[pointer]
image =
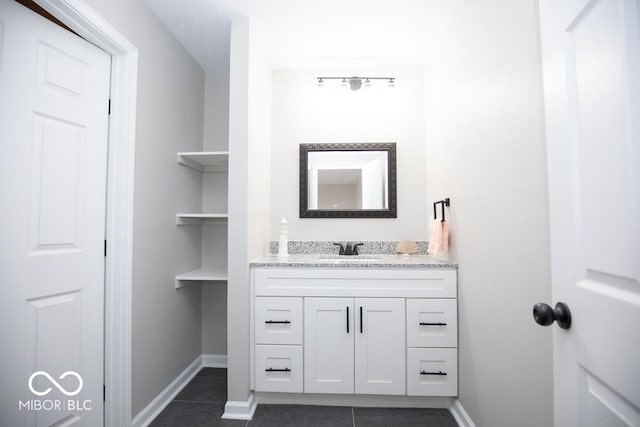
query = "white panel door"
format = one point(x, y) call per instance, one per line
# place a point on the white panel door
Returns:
point(380, 346)
point(591, 65)
point(328, 345)
point(54, 90)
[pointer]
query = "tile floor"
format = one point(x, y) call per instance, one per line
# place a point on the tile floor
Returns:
point(201, 403)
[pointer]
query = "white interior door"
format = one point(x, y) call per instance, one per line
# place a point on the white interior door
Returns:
point(591, 64)
point(54, 91)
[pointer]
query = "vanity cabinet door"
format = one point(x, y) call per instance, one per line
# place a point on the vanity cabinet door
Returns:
point(328, 345)
point(380, 346)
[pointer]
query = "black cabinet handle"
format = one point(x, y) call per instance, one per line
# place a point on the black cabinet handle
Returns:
point(432, 324)
point(360, 319)
point(432, 373)
point(347, 319)
point(277, 370)
point(277, 321)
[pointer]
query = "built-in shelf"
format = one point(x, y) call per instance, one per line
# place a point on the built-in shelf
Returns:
point(218, 274)
point(201, 218)
point(205, 161)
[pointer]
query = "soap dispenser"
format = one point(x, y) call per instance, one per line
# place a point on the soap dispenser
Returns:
point(283, 241)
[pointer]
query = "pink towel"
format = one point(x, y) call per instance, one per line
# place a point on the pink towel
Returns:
point(445, 237)
point(439, 237)
point(435, 238)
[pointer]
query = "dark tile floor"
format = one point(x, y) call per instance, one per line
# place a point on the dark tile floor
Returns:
point(201, 403)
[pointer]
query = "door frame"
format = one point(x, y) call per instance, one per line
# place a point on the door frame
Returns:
point(78, 16)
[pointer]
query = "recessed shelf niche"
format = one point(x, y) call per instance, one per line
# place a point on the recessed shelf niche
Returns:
point(213, 165)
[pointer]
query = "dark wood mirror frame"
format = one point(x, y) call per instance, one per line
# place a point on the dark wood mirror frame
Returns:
point(391, 212)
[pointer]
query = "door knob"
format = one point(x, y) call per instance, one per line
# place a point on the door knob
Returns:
point(545, 315)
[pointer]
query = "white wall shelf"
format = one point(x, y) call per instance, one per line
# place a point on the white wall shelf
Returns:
point(201, 218)
point(205, 161)
point(218, 274)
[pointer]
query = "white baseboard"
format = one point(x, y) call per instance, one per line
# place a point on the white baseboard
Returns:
point(462, 418)
point(238, 410)
point(214, 360)
point(153, 409)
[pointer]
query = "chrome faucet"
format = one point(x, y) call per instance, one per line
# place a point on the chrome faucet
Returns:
point(349, 249)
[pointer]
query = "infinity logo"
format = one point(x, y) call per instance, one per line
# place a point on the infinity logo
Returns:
point(55, 383)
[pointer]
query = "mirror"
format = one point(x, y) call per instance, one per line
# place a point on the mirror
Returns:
point(348, 180)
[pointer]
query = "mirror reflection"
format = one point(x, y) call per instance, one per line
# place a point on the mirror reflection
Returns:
point(347, 180)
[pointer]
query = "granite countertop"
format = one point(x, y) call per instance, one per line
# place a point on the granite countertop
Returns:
point(361, 261)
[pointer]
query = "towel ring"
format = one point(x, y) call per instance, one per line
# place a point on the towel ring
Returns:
point(445, 202)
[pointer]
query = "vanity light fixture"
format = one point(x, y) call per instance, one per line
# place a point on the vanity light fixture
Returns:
point(355, 82)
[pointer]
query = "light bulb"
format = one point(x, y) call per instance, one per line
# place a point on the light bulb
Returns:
point(392, 83)
point(355, 83)
point(367, 83)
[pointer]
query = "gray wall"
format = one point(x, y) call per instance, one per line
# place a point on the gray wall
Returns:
point(303, 112)
point(215, 199)
point(486, 151)
point(216, 112)
point(166, 321)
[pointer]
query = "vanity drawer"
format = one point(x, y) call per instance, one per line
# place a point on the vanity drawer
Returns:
point(356, 282)
point(432, 323)
point(279, 368)
point(432, 372)
point(278, 320)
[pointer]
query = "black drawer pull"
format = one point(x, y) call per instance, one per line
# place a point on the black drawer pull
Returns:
point(360, 319)
point(277, 321)
point(347, 319)
point(432, 324)
point(277, 370)
point(432, 373)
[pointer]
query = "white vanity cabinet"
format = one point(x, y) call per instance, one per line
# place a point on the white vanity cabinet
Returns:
point(380, 331)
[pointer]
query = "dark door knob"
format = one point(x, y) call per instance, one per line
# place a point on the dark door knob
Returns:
point(545, 315)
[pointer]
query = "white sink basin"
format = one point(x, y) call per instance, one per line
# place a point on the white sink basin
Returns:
point(348, 259)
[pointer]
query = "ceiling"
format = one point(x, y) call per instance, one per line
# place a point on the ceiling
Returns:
point(304, 33)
